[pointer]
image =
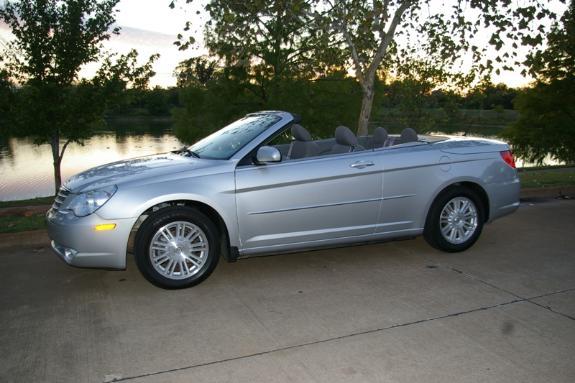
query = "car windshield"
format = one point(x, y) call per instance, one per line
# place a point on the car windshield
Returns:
point(226, 142)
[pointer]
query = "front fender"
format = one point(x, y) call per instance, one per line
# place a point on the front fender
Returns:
point(216, 191)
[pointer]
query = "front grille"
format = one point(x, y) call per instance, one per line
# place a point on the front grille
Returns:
point(60, 198)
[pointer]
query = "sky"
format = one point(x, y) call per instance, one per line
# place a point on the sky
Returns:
point(150, 26)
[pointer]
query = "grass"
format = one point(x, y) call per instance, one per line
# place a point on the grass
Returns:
point(15, 224)
point(18, 223)
point(28, 202)
point(542, 178)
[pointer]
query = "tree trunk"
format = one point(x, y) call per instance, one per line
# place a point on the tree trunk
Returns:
point(55, 143)
point(366, 105)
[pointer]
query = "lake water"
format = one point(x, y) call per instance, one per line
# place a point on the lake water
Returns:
point(26, 169)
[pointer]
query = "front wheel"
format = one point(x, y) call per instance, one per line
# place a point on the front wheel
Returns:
point(176, 247)
point(455, 220)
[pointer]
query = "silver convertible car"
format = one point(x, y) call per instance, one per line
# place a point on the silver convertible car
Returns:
point(264, 185)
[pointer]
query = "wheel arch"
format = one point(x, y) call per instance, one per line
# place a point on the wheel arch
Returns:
point(228, 252)
point(472, 184)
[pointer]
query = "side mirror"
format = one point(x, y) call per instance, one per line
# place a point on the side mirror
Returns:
point(267, 154)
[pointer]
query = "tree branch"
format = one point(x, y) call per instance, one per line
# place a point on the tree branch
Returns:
point(354, 55)
point(380, 18)
point(300, 52)
point(388, 37)
point(63, 150)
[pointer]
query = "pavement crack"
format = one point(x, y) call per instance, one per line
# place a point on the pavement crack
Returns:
point(531, 300)
point(523, 299)
point(517, 299)
point(476, 278)
point(321, 341)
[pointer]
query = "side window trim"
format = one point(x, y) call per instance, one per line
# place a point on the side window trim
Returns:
point(322, 157)
point(247, 160)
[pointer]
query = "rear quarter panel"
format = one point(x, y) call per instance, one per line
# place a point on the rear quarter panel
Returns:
point(414, 176)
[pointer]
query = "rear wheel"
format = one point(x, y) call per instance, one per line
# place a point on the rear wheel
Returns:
point(455, 220)
point(176, 247)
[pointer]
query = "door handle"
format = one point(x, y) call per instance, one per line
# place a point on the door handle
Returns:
point(361, 164)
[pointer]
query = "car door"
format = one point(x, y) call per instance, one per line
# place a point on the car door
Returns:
point(301, 203)
point(410, 176)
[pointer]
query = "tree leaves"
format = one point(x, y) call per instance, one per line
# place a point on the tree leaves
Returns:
point(268, 40)
point(547, 119)
point(53, 41)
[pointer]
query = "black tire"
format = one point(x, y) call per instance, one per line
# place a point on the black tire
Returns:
point(432, 231)
point(164, 217)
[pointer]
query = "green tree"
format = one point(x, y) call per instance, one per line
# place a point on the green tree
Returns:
point(323, 103)
point(195, 71)
point(274, 39)
point(6, 101)
point(406, 98)
point(383, 33)
point(263, 55)
point(54, 39)
point(546, 124)
point(487, 95)
point(271, 37)
point(263, 42)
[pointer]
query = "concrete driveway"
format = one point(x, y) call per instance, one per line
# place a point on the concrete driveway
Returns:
point(504, 311)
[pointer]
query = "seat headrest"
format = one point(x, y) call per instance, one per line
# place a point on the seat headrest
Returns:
point(344, 136)
point(300, 133)
point(379, 136)
point(408, 135)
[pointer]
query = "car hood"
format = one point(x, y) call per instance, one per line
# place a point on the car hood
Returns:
point(132, 170)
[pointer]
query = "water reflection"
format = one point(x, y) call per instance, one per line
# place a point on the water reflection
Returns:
point(26, 169)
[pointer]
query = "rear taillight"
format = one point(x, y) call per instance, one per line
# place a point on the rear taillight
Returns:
point(508, 158)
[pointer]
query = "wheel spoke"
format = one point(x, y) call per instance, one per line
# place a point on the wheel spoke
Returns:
point(166, 233)
point(196, 261)
point(188, 264)
point(198, 247)
point(159, 246)
point(169, 267)
point(179, 250)
point(183, 267)
point(464, 207)
point(193, 236)
point(468, 225)
point(458, 220)
point(161, 259)
point(460, 233)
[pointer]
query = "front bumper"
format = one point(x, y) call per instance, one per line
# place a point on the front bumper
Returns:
point(77, 243)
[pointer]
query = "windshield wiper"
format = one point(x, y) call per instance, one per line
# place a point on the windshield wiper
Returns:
point(192, 153)
point(188, 152)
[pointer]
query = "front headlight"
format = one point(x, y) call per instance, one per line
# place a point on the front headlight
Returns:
point(88, 202)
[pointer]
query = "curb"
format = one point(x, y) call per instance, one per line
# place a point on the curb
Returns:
point(33, 238)
point(566, 192)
